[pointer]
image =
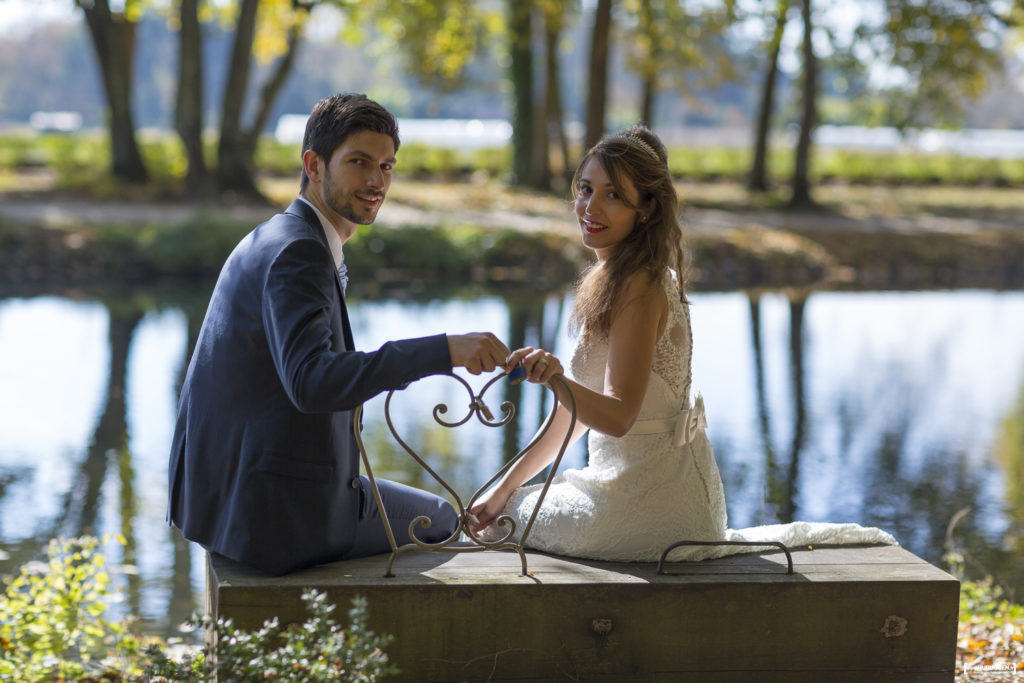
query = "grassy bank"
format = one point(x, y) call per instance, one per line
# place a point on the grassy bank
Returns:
point(881, 222)
point(380, 257)
point(80, 162)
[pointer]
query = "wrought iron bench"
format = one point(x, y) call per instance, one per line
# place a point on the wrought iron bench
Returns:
point(464, 539)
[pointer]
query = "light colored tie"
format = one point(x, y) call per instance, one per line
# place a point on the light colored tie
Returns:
point(343, 276)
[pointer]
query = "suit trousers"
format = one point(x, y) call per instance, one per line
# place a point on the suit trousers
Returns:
point(403, 504)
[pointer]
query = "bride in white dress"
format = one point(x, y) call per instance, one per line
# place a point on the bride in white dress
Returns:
point(651, 479)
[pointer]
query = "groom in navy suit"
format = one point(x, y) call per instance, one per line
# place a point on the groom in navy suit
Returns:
point(264, 464)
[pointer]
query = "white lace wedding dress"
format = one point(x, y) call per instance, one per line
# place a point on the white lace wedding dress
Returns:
point(659, 483)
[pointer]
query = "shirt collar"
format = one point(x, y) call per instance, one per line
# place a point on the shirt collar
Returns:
point(333, 239)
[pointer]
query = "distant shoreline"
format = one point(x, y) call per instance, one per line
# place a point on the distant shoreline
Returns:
point(53, 241)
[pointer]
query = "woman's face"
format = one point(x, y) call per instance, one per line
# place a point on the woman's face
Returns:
point(604, 216)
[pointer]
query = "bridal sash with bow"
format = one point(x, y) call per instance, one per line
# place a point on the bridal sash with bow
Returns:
point(683, 427)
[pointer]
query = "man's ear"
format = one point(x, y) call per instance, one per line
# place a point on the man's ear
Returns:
point(312, 164)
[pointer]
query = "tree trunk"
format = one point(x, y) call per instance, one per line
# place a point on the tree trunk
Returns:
point(112, 38)
point(801, 171)
point(598, 75)
point(649, 68)
point(551, 122)
point(235, 171)
point(188, 114)
point(647, 99)
point(758, 179)
point(520, 33)
point(272, 88)
point(555, 117)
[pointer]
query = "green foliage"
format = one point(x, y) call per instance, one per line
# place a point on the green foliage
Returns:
point(709, 163)
point(946, 52)
point(53, 628)
point(278, 158)
point(196, 246)
point(435, 250)
point(200, 245)
point(319, 649)
point(851, 166)
point(414, 159)
point(437, 39)
point(52, 623)
point(418, 159)
point(986, 600)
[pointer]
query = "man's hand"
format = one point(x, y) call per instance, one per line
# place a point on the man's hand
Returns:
point(477, 352)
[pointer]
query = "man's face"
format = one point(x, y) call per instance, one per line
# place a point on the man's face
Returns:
point(358, 175)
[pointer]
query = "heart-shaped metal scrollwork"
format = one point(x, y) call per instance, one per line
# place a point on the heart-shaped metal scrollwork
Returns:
point(464, 539)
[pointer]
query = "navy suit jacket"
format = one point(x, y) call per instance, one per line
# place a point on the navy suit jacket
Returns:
point(264, 464)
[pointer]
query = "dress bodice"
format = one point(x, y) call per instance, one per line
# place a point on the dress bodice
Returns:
point(668, 390)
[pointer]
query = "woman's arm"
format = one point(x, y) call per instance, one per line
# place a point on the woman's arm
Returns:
point(636, 324)
point(539, 456)
point(635, 328)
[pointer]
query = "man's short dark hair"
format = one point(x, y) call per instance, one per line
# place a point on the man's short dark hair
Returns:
point(335, 118)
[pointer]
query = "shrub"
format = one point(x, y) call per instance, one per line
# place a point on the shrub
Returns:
point(53, 628)
point(317, 650)
point(52, 623)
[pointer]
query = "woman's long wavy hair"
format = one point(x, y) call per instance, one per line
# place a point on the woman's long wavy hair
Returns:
point(652, 245)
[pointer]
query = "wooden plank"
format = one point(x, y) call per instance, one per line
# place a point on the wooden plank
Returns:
point(842, 564)
point(850, 613)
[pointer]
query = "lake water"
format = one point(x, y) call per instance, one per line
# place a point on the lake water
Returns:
point(896, 409)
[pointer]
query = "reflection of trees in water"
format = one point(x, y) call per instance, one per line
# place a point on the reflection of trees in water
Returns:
point(911, 489)
point(875, 415)
point(108, 452)
point(110, 436)
point(781, 485)
point(763, 419)
point(80, 506)
point(528, 326)
point(28, 549)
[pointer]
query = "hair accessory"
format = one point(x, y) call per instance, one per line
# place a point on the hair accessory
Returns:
point(639, 142)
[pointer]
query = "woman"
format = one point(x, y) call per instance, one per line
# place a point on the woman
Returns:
point(652, 478)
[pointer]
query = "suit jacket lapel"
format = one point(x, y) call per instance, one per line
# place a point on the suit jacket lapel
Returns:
point(306, 212)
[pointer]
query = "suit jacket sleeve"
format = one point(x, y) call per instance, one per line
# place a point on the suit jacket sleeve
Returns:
point(319, 375)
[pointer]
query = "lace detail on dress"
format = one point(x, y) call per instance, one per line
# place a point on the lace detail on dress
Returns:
point(672, 352)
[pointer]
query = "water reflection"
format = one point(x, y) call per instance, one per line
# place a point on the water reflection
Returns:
point(780, 483)
point(895, 409)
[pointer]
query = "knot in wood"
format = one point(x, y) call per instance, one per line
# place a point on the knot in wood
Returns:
point(894, 626)
point(602, 626)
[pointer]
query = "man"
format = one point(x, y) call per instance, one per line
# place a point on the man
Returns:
point(264, 463)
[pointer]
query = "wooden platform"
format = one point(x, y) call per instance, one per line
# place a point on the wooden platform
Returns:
point(846, 614)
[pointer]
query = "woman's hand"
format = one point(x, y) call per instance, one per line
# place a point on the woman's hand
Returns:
point(487, 508)
point(540, 365)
